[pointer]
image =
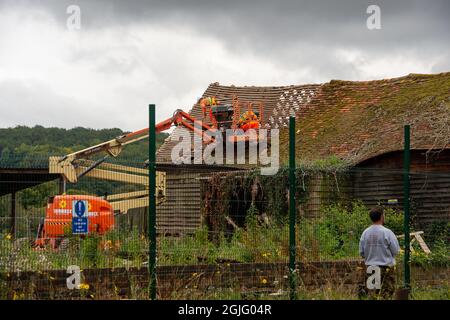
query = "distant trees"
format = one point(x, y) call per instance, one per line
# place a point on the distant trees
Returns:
point(30, 147)
point(37, 196)
point(25, 146)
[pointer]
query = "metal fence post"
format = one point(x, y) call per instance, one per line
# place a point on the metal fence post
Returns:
point(152, 202)
point(406, 197)
point(13, 214)
point(292, 207)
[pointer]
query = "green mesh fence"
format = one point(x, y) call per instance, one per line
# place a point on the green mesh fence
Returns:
point(221, 234)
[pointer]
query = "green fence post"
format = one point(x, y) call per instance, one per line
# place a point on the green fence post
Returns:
point(406, 220)
point(292, 207)
point(152, 203)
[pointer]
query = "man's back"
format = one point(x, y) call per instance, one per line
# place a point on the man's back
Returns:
point(378, 246)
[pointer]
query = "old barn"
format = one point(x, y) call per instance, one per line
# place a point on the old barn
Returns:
point(358, 123)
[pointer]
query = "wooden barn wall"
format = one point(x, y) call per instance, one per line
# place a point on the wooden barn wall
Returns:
point(323, 189)
point(381, 179)
point(374, 181)
point(179, 214)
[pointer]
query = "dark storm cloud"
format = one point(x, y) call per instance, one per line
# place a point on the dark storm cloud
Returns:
point(287, 32)
point(276, 21)
point(140, 51)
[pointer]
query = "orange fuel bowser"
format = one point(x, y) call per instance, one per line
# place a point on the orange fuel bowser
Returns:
point(59, 218)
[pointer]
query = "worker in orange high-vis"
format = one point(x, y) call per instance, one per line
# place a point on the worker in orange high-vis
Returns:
point(249, 120)
point(207, 102)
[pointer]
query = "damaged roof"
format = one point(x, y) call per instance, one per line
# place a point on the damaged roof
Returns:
point(358, 120)
point(277, 101)
point(353, 120)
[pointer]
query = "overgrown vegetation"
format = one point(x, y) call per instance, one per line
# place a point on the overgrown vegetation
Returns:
point(334, 235)
point(114, 249)
point(233, 194)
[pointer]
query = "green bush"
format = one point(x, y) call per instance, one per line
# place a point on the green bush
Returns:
point(336, 233)
point(186, 250)
point(89, 250)
point(438, 231)
point(254, 243)
point(439, 256)
point(439, 293)
point(333, 235)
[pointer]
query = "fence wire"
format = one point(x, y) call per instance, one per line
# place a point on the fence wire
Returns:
point(220, 234)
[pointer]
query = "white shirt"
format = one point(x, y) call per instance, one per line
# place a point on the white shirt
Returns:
point(378, 246)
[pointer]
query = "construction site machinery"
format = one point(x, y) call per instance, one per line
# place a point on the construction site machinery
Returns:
point(222, 117)
point(78, 164)
point(73, 166)
point(58, 219)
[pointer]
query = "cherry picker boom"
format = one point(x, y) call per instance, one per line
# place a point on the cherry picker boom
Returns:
point(101, 211)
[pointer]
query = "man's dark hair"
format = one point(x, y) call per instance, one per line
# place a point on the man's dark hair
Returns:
point(376, 213)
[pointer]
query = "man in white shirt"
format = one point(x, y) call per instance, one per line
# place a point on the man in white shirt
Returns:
point(379, 246)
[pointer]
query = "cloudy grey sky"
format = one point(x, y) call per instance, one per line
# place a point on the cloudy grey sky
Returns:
point(128, 54)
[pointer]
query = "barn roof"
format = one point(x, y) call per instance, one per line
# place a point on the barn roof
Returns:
point(356, 121)
point(353, 120)
point(277, 102)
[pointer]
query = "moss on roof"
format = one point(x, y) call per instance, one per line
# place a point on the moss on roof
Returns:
point(359, 120)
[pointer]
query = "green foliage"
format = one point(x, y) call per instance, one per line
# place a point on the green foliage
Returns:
point(428, 293)
point(134, 246)
point(336, 233)
point(235, 193)
point(37, 196)
point(327, 164)
point(394, 221)
point(186, 250)
point(256, 243)
point(251, 220)
point(439, 256)
point(30, 147)
point(89, 250)
point(438, 231)
point(5, 207)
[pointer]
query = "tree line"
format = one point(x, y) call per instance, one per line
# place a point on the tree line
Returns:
point(30, 147)
point(25, 146)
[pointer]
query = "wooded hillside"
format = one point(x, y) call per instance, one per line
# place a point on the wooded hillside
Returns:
point(22, 144)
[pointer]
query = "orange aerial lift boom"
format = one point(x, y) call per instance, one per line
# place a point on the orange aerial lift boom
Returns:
point(221, 116)
point(66, 165)
point(101, 211)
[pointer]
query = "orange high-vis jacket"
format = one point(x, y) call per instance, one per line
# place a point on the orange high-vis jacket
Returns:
point(206, 102)
point(249, 120)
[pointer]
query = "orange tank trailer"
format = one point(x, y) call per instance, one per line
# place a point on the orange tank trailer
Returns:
point(58, 217)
